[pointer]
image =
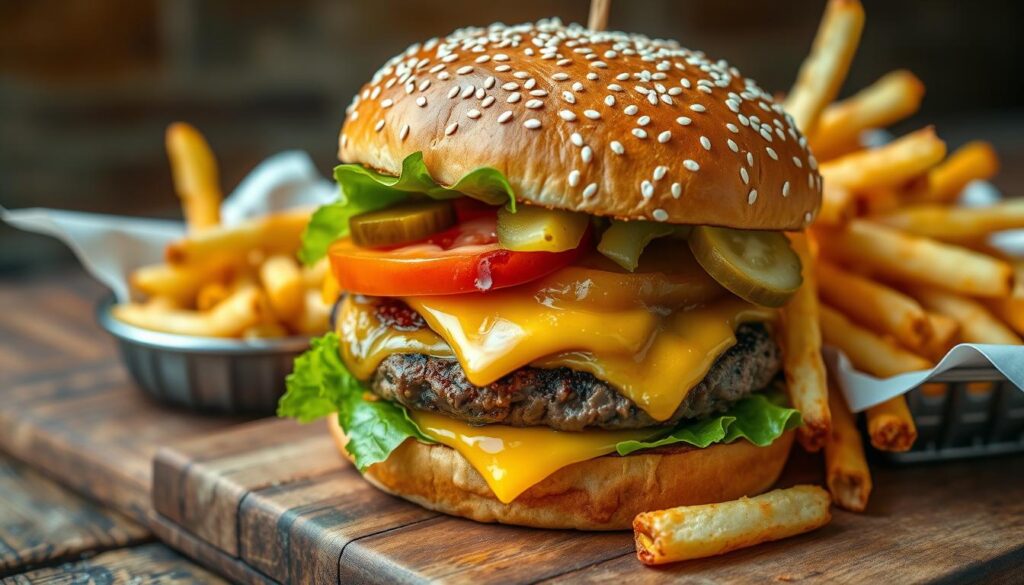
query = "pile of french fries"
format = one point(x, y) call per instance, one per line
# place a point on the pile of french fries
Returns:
point(242, 281)
point(896, 273)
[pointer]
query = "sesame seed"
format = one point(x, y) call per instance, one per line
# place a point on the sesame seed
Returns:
point(808, 217)
point(813, 162)
point(685, 83)
point(566, 115)
point(647, 189)
point(771, 152)
point(468, 91)
point(732, 128)
point(520, 75)
point(665, 136)
point(451, 129)
point(599, 65)
point(592, 114)
point(750, 158)
point(614, 87)
point(510, 86)
point(387, 103)
point(449, 58)
point(744, 175)
point(513, 97)
point(766, 134)
point(563, 62)
point(752, 197)
point(732, 145)
point(576, 139)
point(675, 91)
point(530, 83)
point(505, 117)
point(501, 57)
point(454, 91)
point(666, 99)
point(659, 172)
point(532, 123)
point(622, 76)
point(574, 178)
point(436, 68)
point(473, 114)
point(534, 104)
point(643, 120)
point(489, 82)
point(375, 93)
point(487, 101)
point(464, 70)
point(577, 86)
point(733, 105)
point(590, 191)
point(810, 180)
point(569, 97)
point(617, 147)
point(421, 101)
point(631, 110)
point(660, 214)
point(404, 132)
point(483, 59)
point(652, 98)
point(698, 108)
point(798, 163)
point(560, 76)
point(378, 126)
point(785, 189)
point(744, 120)
point(641, 89)
point(424, 85)
point(444, 76)
point(587, 154)
point(479, 94)
point(705, 142)
point(639, 133)
point(609, 100)
point(677, 190)
point(691, 165)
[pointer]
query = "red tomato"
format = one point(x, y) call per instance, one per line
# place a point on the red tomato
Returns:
point(463, 259)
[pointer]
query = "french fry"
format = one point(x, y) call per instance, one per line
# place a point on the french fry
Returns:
point(977, 324)
point(890, 165)
point(1010, 310)
point(824, 70)
point(211, 294)
point(945, 334)
point(179, 283)
point(315, 316)
point(973, 161)
point(905, 257)
point(194, 170)
point(277, 233)
point(956, 224)
point(846, 470)
point(890, 99)
point(228, 319)
point(313, 276)
point(881, 308)
point(282, 279)
point(890, 425)
point(693, 532)
point(801, 351)
point(837, 205)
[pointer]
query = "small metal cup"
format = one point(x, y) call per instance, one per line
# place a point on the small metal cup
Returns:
point(216, 375)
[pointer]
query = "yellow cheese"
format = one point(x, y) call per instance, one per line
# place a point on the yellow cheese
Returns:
point(513, 459)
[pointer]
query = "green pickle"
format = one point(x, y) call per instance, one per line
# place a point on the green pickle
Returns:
point(536, 229)
point(757, 266)
point(401, 224)
point(624, 241)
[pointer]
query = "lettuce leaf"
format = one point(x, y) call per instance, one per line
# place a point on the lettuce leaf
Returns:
point(362, 189)
point(320, 385)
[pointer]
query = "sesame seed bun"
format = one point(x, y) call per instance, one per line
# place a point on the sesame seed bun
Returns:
point(605, 493)
point(607, 123)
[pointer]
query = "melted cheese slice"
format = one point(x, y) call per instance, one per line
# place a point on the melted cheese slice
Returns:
point(513, 459)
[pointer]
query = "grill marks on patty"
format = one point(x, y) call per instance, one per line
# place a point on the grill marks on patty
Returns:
point(566, 399)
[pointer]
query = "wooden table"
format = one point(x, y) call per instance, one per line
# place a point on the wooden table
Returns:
point(269, 500)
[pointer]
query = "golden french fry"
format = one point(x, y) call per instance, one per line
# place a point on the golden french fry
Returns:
point(1010, 310)
point(889, 165)
point(162, 303)
point(315, 316)
point(211, 295)
point(905, 257)
point(883, 309)
point(824, 70)
point(868, 351)
point(846, 470)
point(973, 161)
point(801, 352)
point(945, 335)
point(870, 202)
point(890, 99)
point(331, 290)
point(313, 276)
point(977, 324)
point(693, 532)
point(277, 233)
point(891, 426)
point(837, 205)
point(194, 170)
point(282, 279)
point(956, 224)
point(179, 283)
point(228, 319)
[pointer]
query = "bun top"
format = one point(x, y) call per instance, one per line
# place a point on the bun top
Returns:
point(607, 123)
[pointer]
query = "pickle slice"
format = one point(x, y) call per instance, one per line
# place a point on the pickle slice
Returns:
point(537, 229)
point(756, 266)
point(624, 241)
point(400, 224)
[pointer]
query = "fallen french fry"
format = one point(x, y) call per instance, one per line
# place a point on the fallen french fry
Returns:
point(837, 205)
point(881, 308)
point(971, 162)
point(228, 319)
point(846, 469)
point(905, 257)
point(194, 170)
point(889, 165)
point(956, 224)
point(801, 354)
point(277, 233)
point(824, 70)
point(890, 99)
point(891, 426)
point(693, 532)
point(977, 324)
point(282, 279)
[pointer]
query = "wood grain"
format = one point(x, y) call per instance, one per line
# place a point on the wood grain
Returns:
point(43, 523)
point(152, 563)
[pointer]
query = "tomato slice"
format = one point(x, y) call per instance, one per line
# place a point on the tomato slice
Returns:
point(466, 258)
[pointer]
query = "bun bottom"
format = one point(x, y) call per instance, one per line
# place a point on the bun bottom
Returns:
point(605, 493)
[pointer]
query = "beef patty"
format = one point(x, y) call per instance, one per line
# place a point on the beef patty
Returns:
point(566, 399)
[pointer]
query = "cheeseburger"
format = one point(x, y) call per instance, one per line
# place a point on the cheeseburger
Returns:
point(557, 259)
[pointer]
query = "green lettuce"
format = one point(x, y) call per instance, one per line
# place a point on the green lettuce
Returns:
point(362, 189)
point(320, 385)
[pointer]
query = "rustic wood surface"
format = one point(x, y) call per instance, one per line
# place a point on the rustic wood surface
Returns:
point(151, 563)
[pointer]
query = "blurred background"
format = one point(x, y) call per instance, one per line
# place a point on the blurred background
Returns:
point(87, 87)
